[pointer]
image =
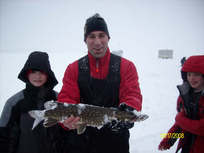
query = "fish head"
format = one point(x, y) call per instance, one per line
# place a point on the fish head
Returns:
point(130, 116)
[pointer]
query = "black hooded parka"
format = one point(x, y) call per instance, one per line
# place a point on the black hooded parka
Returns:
point(16, 134)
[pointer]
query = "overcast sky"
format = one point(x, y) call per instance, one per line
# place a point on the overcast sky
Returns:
point(135, 26)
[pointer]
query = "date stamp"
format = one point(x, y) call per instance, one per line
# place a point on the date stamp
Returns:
point(172, 135)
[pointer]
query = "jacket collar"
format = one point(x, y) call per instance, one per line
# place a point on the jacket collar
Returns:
point(101, 61)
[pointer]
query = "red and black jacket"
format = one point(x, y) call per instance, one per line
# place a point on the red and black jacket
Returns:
point(129, 91)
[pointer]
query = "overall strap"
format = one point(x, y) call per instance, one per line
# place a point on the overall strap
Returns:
point(114, 68)
point(84, 79)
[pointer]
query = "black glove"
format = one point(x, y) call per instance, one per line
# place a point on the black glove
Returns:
point(124, 107)
point(117, 126)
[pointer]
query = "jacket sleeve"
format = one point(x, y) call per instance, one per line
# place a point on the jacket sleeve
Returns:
point(168, 141)
point(4, 139)
point(9, 132)
point(70, 91)
point(4, 129)
point(192, 126)
point(129, 86)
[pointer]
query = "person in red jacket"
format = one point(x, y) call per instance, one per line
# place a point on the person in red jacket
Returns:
point(103, 79)
point(189, 121)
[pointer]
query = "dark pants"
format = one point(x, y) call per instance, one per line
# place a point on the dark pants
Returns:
point(97, 141)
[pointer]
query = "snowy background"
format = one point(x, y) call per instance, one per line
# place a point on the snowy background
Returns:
point(138, 27)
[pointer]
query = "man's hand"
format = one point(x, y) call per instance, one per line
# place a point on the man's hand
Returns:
point(117, 126)
point(71, 122)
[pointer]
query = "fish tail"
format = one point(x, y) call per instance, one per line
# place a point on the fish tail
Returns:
point(38, 116)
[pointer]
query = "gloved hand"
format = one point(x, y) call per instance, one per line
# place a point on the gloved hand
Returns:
point(116, 126)
point(166, 143)
point(124, 107)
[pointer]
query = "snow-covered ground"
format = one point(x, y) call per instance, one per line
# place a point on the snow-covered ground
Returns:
point(158, 79)
point(138, 27)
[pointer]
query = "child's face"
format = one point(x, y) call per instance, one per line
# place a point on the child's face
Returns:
point(37, 78)
point(196, 80)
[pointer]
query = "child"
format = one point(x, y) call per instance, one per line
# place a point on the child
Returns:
point(16, 134)
point(189, 121)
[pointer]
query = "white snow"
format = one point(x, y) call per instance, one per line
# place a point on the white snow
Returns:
point(66, 104)
point(50, 105)
point(106, 119)
point(139, 28)
point(80, 107)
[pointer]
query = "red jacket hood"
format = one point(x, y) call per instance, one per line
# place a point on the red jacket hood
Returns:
point(194, 64)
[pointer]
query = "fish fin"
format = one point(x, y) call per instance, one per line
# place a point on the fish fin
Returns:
point(38, 116)
point(81, 129)
point(49, 122)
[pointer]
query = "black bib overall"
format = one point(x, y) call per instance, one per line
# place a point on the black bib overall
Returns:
point(101, 93)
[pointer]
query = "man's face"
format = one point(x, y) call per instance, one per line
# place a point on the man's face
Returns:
point(97, 43)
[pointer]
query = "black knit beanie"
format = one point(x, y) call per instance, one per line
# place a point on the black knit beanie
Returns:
point(95, 23)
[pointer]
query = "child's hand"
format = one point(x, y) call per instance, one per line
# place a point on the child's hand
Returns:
point(164, 144)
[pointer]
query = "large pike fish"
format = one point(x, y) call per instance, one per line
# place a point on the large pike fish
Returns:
point(90, 115)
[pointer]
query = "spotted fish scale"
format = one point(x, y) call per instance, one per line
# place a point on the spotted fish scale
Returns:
point(89, 115)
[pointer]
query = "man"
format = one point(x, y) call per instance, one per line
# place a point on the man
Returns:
point(101, 79)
